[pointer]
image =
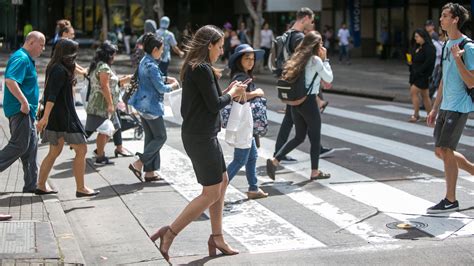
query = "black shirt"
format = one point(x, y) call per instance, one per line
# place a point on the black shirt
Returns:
point(202, 101)
point(295, 38)
point(63, 116)
point(423, 63)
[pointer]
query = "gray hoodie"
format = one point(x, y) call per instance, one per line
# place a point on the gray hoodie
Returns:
point(150, 26)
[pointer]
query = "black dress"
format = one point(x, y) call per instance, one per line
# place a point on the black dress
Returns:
point(202, 101)
point(63, 120)
point(422, 66)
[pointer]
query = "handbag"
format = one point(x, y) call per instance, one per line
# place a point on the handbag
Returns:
point(239, 132)
point(259, 115)
point(131, 88)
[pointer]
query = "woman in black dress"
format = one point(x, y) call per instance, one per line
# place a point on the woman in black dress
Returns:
point(421, 68)
point(201, 104)
point(60, 122)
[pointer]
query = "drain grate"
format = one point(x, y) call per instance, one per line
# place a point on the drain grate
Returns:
point(406, 225)
point(17, 237)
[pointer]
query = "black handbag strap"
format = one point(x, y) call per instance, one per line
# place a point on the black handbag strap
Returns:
point(310, 88)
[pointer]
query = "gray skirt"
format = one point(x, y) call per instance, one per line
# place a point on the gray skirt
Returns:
point(53, 136)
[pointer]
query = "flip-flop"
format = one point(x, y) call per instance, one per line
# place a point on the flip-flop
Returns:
point(413, 119)
point(321, 175)
point(136, 172)
point(153, 178)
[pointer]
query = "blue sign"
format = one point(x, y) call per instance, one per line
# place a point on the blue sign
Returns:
point(354, 9)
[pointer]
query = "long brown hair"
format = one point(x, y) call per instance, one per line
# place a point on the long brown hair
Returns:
point(197, 50)
point(65, 55)
point(303, 53)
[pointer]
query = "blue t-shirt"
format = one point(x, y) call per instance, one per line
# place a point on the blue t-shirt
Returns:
point(21, 68)
point(168, 41)
point(455, 97)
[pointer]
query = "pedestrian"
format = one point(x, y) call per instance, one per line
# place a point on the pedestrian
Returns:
point(421, 68)
point(149, 26)
point(234, 41)
point(201, 103)
point(27, 28)
point(309, 61)
point(266, 35)
point(344, 35)
point(59, 122)
point(148, 101)
point(127, 32)
point(431, 29)
point(242, 33)
point(60, 24)
point(20, 102)
point(68, 32)
point(104, 96)
point(304, 23)
point(169, 42)
point(385, 41)
point(453, 102)
point(436, 75)
point(241, 65)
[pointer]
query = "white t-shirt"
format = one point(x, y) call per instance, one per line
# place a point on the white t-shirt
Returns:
point(439, 49)
point(343, 35)
point(267, 37)
point(315, 64)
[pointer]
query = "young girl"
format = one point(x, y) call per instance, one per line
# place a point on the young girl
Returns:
point(241, 65)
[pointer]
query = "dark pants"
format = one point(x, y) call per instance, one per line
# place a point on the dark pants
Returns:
point(23, 144)
point(155, 138)
point(307, 120)
point(164, 67)
point(266, 55)
point(285, 130)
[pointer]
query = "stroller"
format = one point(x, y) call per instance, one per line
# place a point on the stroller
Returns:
point(129, 120)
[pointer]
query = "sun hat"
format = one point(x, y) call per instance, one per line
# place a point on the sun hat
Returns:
point(242, 49)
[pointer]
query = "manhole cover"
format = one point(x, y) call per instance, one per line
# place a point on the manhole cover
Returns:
point(17, 237)
point(406, 225)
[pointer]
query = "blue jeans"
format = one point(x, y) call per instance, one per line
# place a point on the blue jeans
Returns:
point(247, 157)
point(344, 52)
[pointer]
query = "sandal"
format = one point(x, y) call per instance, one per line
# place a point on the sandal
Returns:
point(153, 178)
point(414, 119)
point(136, 172)
point(321, 175)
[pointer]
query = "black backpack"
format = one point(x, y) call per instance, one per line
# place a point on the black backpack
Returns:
point(294, 93)
point(280, 52)
point(463, 43)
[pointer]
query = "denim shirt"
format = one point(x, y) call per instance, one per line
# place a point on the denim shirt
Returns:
point(149, 97)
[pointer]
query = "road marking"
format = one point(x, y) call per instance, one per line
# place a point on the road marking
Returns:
point(405, 126)
point(407, 111)
point(253, 225)
point(408, 152)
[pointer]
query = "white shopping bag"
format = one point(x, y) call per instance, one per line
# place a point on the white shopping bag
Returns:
point(106, 128)
point(174, 99)
point(239, 128)
point(83, 92)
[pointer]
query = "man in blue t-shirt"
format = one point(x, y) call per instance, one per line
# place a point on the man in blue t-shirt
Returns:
point(20, 102)
point(169, 42)
point(455, 107)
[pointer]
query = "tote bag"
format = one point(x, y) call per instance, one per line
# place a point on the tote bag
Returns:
point(239, 131)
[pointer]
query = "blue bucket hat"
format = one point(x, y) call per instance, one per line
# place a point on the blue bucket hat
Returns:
point(242, 49)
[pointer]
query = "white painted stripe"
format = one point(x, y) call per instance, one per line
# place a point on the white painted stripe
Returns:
point(405, 126)
point(406, 111)
point(253, 225)
point(393, 202)
point(398, 149)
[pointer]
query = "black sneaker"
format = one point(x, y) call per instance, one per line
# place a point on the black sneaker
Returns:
point(288, 160)
point(101, 161)
point(444, 206)
point(325, 152)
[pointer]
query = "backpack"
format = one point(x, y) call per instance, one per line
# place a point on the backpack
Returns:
point(463, 43)
point(294, 93)
point(279, 53)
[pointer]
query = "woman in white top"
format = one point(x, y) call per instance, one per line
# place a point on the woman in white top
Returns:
point(309, 59)
point(266, 35)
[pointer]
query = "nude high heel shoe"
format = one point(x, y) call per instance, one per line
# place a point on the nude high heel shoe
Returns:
point(161, 234)
point(213, 247)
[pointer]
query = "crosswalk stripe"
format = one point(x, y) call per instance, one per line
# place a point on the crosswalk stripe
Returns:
point(405, 126)
point(398, 149)
point(407, 111)
point(393, 202)
point(257, 228)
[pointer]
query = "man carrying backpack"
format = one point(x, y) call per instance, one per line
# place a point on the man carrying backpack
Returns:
point(169, 42)
point(304, 22)
point(455, 104)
